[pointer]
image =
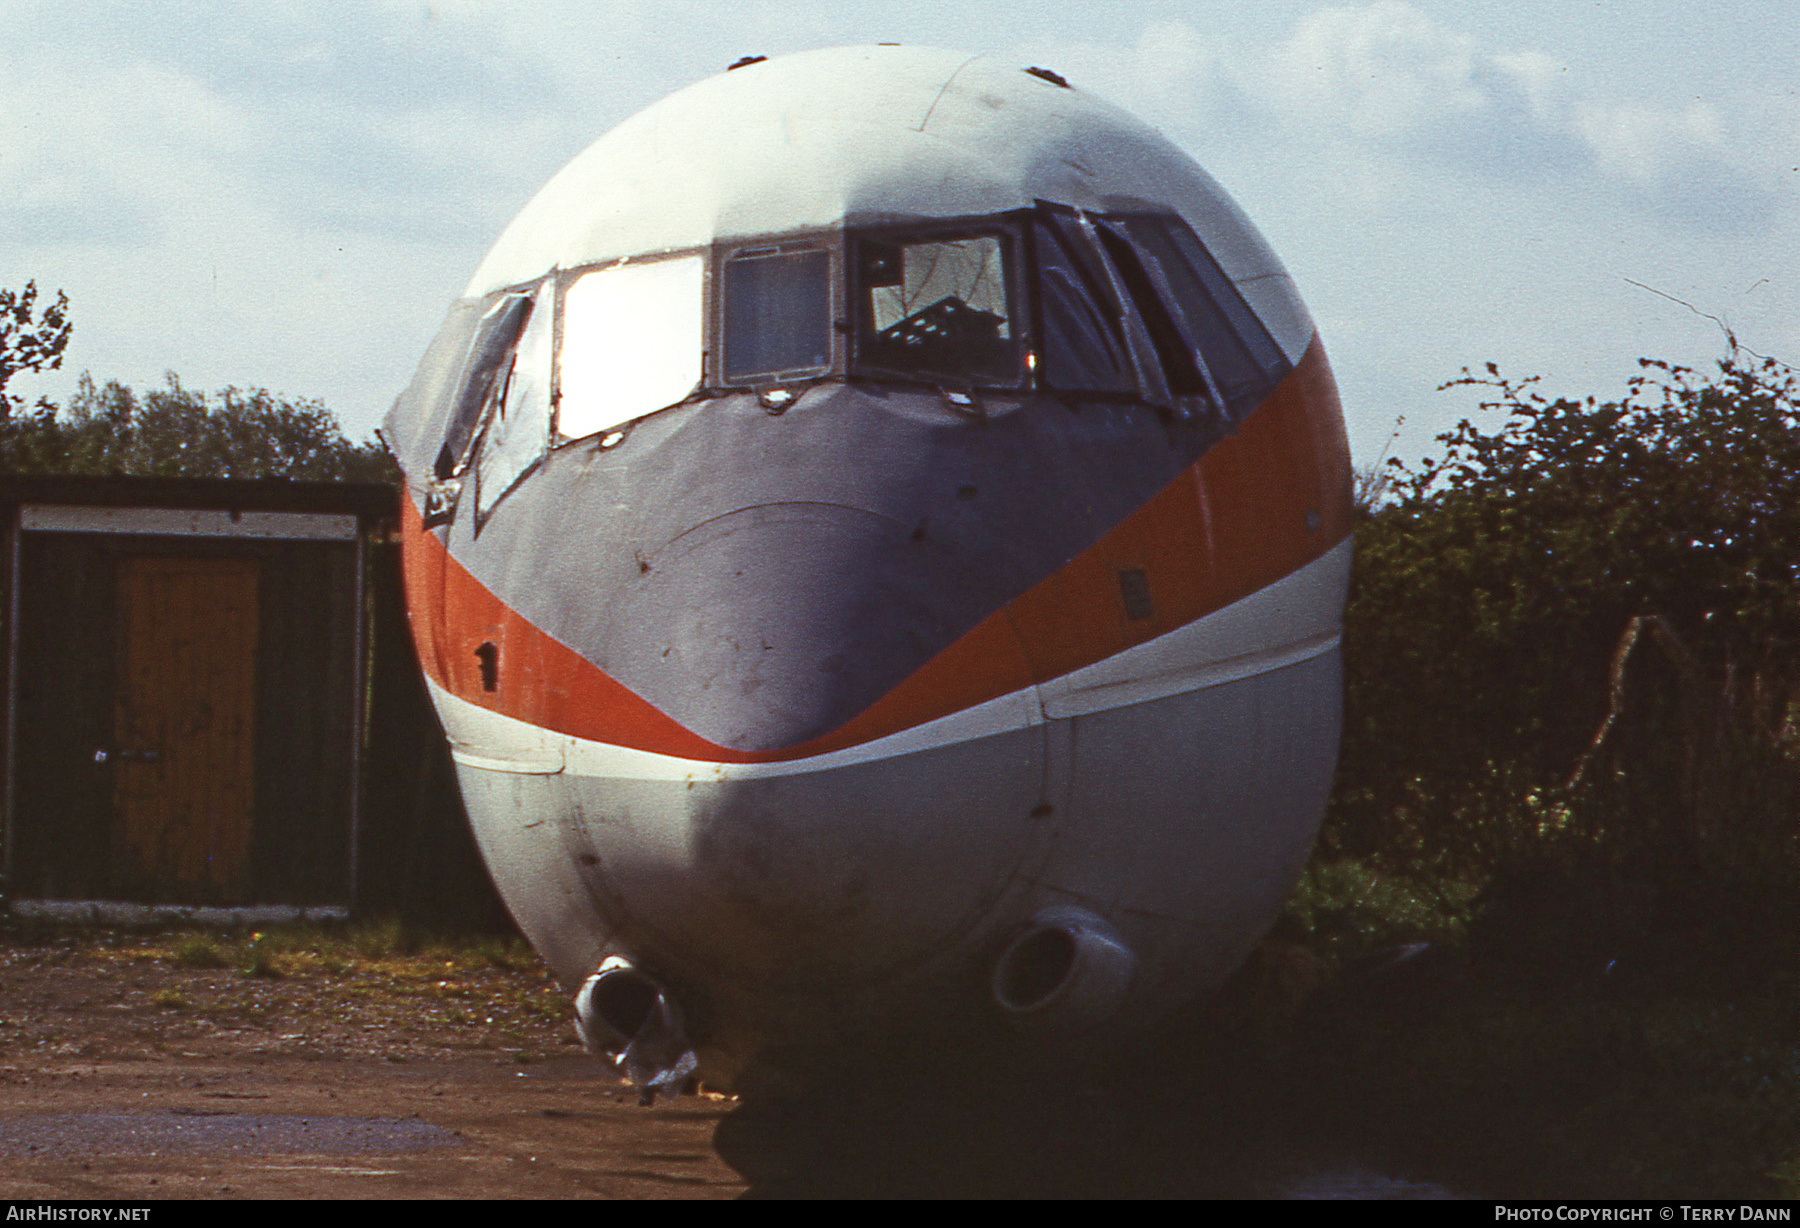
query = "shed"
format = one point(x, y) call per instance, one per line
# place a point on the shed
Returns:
point(188, 675)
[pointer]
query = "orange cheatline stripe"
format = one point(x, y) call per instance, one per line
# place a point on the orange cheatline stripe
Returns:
point(1255, 508)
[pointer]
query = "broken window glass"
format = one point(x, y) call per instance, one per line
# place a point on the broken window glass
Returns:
point(490, 352)
point(777, 314)
point(1081, 348)
point(1238, 359)
point(1174, 354)
point(519, 430)
point(633, 340)
point(937, 309)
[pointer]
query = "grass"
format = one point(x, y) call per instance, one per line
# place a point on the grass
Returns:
point(483, 982)
point(385, 947)
point(199, 951)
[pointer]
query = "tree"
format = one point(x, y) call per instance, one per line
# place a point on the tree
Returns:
point(1583, 628)
point(174, 431)
point(168, 432)
point(30, 342)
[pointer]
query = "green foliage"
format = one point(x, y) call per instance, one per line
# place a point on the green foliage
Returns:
point(1580, 630)
point(199, 951)
point(1345, 909)
point(167, 432)
point(176, 432)
point(29, 341)
point(387, 938)
point(1573, 1091)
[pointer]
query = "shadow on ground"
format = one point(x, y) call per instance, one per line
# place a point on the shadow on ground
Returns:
point(1414, 1074)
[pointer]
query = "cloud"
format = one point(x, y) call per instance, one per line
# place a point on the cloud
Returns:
point(1394, 107)
point(287, 193)
point(1390, 104)
point(367, 120)
point(1387, 81)
point(1446, 194)
point(1648, 145)
point(1377, 70)
point(106, 164)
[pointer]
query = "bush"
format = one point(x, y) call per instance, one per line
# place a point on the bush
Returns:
point(1577, 637)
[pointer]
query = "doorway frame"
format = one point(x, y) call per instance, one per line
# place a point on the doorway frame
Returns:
point(218, 509)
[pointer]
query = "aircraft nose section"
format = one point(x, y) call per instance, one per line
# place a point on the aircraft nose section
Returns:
point(771, 625)
point(760, 630)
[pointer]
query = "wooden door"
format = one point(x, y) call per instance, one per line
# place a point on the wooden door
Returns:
point(183, 757)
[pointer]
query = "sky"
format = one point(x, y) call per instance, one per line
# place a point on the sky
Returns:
point(290, 195)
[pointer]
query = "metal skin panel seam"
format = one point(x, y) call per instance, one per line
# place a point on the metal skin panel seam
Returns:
point(581, 894)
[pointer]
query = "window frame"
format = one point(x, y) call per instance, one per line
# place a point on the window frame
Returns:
point(1118, 228)
point(544, 296)
point(1077, 231)
point(451, 463)
point(1011, 229)
point(718, 362)
point(566, 279)
point(1098, 284)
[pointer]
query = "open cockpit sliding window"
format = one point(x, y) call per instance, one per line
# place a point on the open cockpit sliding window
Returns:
point(484, 373)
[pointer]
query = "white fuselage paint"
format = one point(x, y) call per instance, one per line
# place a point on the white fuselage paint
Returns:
point(1173, 788)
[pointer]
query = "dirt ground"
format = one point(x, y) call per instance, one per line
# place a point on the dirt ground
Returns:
point(128, 1072)
point(361, 1064)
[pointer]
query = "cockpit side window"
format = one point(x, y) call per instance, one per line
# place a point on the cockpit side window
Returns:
point(1243, 362)
point(1187, 336)
point(1182, 374)
point(777, 314)
point(1084, 239)
point(937, 308)
point(489, 361)
point(518, 431)
point(1080, 345)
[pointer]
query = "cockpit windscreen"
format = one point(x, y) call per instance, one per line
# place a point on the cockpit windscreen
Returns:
point(777, 314)
point(632, 342)
point(1053, 299)
point(936, 308)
